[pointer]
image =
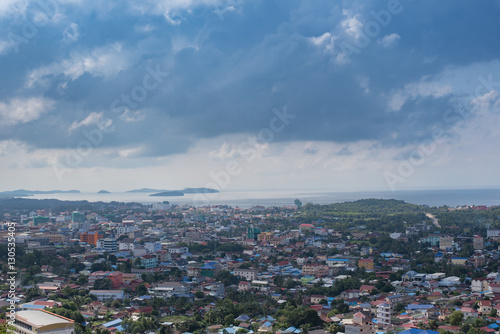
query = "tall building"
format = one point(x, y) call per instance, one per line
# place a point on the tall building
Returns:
point(445, 243)
point(78, 217)
point(253, 233)
point(109, 245)
point(41, 321)
point(493, 233)
point(90, 237)
point(37, 220)
point(384, 315)
point(265, 236)
point(478, 242)
point(366, 263)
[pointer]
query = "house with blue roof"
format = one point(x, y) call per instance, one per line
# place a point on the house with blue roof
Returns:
point(417, 331)
point(112, 324)
point(243, 318)
point(292, 330)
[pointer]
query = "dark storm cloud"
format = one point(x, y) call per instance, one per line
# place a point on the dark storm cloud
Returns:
point(228, 67)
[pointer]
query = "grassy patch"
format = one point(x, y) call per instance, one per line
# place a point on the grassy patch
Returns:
point(174, 318)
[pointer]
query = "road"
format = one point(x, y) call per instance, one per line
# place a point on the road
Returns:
point(435, 221)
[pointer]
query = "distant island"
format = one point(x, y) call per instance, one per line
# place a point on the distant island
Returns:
point(169, 193)
point(25, 193)
point(145, 190)
point(103, 192)
point(199, 191)
point(164, 192)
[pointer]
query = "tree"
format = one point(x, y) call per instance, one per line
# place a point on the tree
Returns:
point(227, 278)
point(399, 307)
point(116, 304)
point(5, 328)
point(103, 284)
point(141, 289)
point(82, 280)
point(493, 313)
point(456, 318)
point(335, 328)
point(228, 320)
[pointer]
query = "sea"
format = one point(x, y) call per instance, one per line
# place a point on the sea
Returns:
point(247, 199)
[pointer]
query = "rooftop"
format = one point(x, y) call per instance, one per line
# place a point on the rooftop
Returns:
point(40, 318)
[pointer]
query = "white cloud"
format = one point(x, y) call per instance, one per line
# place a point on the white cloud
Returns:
point(23, 110)
point(144, 28)
point(326, 41)
point(352, 26)
point(13, 7)
point(5, 46)
point(104, 62)
point(71, 33)
point(364, 82)
point(135, 116)
point(93, 118)
point(389, 40)
point(419, 89)
point(172, 18)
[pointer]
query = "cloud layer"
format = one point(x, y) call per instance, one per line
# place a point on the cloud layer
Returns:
point(153, 81)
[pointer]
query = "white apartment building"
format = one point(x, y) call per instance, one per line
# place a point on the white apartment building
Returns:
point(248, 274)
point(105, 295)
point(384, 315)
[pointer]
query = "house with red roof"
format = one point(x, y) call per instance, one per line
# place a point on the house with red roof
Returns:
point(468, 312)
point(484, 307)
point(366, 288)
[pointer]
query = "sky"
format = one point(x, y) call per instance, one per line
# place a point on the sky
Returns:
point(235, 94)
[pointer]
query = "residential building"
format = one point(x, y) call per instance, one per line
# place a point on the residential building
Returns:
point(78, 217)
point(265, 236)
point(315, 299)
point(469, 312)
point(107, 295)
point(493, 233)
point(108, 244)
point(384, 315)
point(459, 261)
point(479, 285)
point(361, 325)
point(90, 238)
point(244, 286)
point(38, 220)
point(432, 239)
point(169, 289)
point(366, 263)
point(248, 274)
point(149, 261)
point(478, 242)
point(484, 307)
point(445, 243)
point(178, 250)
point(152, 247)
point(314, 269)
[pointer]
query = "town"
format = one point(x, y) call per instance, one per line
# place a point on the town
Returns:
point(369, 266)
